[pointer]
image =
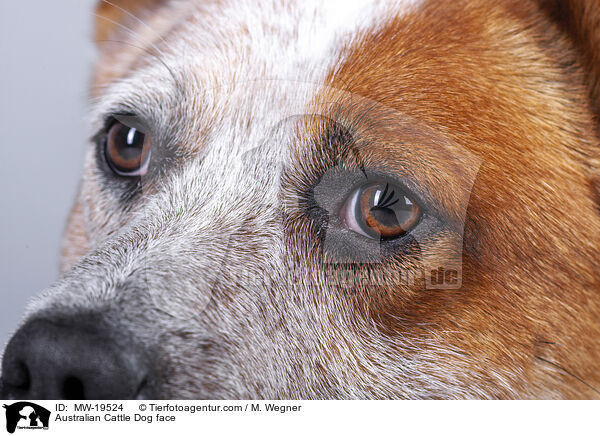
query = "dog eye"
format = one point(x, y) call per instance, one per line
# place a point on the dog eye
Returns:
point(380, 211)
point(127, 150)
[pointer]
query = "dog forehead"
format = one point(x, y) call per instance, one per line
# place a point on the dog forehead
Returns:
point(230, 81)
point(233, 58)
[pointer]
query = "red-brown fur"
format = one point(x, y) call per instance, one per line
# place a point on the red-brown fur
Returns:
point(520, 91)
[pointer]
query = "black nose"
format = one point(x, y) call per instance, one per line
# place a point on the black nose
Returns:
point(70, 360)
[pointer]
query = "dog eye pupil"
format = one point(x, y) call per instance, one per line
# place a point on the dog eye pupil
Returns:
point(127, 150)
point(380, 211)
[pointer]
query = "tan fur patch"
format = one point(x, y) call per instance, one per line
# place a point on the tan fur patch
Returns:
point(482, 74)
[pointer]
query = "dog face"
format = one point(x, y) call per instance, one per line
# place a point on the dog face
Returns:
point(297, 200)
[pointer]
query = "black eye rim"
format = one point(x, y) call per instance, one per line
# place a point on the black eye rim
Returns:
point(323, 194)
point(400, 189)
point(131, 121)
point(315, 212)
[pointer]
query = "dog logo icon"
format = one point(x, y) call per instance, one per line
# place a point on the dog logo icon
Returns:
point(26, 415)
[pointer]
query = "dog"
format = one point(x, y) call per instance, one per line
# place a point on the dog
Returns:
point(330, 200)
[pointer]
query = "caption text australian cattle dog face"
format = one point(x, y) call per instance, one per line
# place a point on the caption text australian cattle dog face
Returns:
point(303, 199)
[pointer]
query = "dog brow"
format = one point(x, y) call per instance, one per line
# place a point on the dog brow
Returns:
point(341, 145)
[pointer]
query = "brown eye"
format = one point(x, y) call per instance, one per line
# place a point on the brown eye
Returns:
point(380, 211)
point(127, 150)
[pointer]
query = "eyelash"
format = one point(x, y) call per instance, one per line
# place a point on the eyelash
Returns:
point(324, 217)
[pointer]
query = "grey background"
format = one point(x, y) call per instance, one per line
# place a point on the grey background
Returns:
point(46, 55)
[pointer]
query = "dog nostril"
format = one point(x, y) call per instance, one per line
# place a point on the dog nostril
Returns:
point(18, 378)
point(71, 359)
point(21, 378)
point(72, 389)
